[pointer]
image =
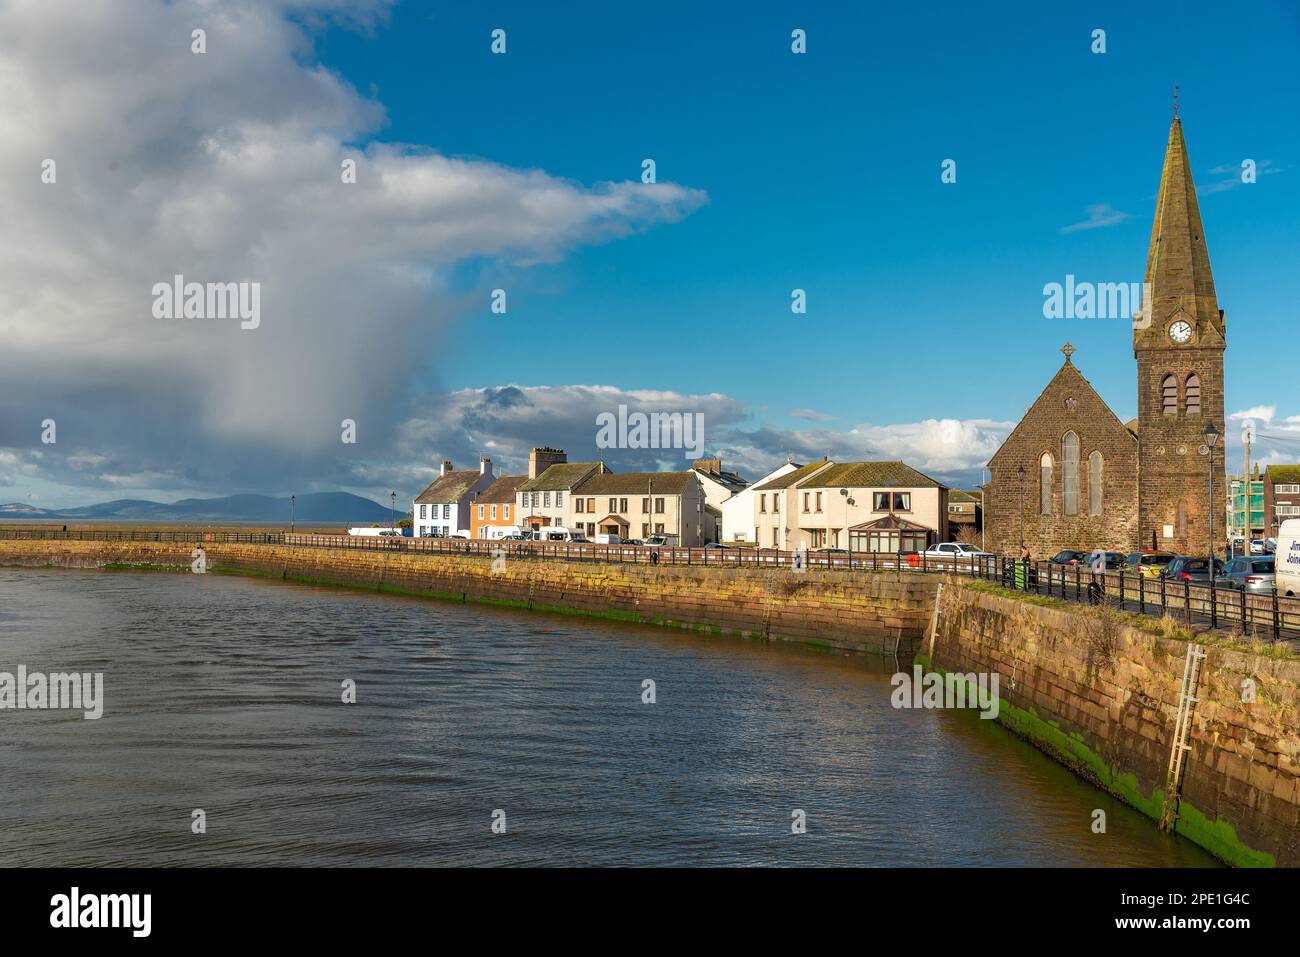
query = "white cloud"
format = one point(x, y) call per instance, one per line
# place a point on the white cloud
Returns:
point(1099, 216)
point(1258, 413)
point(226, 167)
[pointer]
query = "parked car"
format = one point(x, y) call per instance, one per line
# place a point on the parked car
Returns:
point(1257, 546)
point(956, 551)
point(1150, 564)
point(633, 541)
point(1197, 571)
point(607, 539)
point(1108, 561)
point(661, 541)
point(714, 545)
point(1250, 574)
point(1068, 557)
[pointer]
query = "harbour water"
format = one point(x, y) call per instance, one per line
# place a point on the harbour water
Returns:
point(225, 695)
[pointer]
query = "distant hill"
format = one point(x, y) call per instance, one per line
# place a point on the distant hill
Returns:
point(311, 507)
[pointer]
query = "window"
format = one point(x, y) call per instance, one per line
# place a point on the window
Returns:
point(776, 537)
point(1045, 484)
point(577, 505)
point(1193, 395)
point(645, 529)
point(819, 501)
point(1094, 484)
point(805, 501)
point(591, 505)
point(613, 505)
point(1070, 477)
point(446, 511)
point(424, 511)
point(776, 503)
point(591, 528)
point(1169, 395)
point(1287, 489)
point(659, 529)
point(818, 538)
point(659, 507)
point(480, 513)
point(505, 514)
point(762, 502)
point(645, 506)
point(880, 502)
point(622, 505)
point(559, 499)
point(494, 513)
point(546, 499)
point(902, 501)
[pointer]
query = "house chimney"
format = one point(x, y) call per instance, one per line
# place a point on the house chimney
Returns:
point(446, 467)
point(542, 458)
point(485, 466)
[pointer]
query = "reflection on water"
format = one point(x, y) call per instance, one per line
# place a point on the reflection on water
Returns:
point(224, 694)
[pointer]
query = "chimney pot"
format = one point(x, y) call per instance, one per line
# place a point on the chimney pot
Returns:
point(446, 467)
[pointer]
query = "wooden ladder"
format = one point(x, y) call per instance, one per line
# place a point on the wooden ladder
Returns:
point(1182, 728)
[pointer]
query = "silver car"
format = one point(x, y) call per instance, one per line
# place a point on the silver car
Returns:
point(1250, 573)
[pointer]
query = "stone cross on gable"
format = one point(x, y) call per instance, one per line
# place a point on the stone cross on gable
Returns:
point(1069, 350)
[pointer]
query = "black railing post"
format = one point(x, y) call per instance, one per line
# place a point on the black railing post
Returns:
point(1244, 608)
point(1276, 624)
point(1214, 600)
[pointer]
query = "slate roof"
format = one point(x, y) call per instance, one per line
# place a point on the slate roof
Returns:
point(561, 476)
point(790, 478)
point(871, 475)
point(1283, 474)
point(635, 483)
point(501, 491)
point(448, 489)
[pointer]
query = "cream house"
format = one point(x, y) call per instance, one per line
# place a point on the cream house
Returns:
point(738, 510)
point(640, 504)
point(864, 506)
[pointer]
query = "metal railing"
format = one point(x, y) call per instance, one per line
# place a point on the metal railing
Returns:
point(1261, 615)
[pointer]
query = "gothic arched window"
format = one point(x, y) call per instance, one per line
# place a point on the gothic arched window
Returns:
point(1094, 484)
point(1045, 484)
point(1169, 395)
point(1070, 474)
point(1193, 395)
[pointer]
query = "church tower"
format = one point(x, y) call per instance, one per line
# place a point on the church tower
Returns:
point(1178, 341)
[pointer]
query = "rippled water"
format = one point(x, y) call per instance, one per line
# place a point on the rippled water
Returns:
point(224, 694)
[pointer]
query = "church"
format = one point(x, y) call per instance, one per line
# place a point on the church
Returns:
point(1071, 474)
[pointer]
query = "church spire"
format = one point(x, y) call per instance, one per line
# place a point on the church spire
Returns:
point(1178, 263)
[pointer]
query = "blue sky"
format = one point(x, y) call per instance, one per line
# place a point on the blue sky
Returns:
point(924, 337)
point(822, 172)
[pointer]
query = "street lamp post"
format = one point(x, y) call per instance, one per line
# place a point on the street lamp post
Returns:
point(293, 505)
point(392, 501)
point(1211, 435)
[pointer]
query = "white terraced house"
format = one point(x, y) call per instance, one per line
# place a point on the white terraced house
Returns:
point(443, 509)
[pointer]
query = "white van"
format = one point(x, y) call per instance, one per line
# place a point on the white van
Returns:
point(1287, 559)
point(608, 540)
